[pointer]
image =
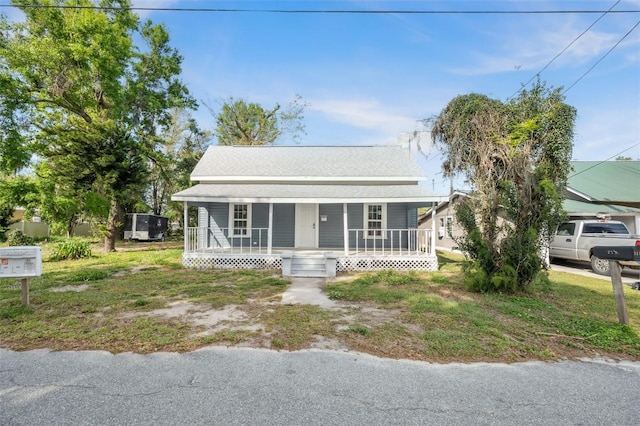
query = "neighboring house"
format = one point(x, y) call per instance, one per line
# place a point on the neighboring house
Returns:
point(608, 187)
point(594, 187)
point(444, 222)
point(309, 210)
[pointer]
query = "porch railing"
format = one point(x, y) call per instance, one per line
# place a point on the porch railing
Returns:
point(225, 240)
point(390, 242)
point(362, 242)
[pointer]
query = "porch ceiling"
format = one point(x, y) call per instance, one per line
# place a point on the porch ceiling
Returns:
point(291, 193)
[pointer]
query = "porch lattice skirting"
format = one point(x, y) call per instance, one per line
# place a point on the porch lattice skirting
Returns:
point(378, 263)
point(207, 261)
point(343, 263)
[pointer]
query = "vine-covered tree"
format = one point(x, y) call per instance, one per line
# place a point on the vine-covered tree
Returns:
point(517, 157)
point(73, 80)
point(246, 123)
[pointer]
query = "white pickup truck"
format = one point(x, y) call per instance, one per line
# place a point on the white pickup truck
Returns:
point(575, 239)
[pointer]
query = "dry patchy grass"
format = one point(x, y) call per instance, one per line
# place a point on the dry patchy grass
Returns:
point(141, 300)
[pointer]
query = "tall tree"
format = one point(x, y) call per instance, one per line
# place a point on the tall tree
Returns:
point(246, 123)
point(181, 145)
point(73, 74)
point(517, 157)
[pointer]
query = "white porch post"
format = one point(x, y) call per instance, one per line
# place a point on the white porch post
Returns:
point(433, 229)
point(270, 236)
point(186, 227)
point(345, 229)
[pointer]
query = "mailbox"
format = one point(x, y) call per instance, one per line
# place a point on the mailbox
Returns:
point(20, 262)
point(617, 252)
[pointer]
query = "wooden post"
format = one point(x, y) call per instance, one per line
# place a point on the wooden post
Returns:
point(432, 243)
point(270, 236)
point(187, 243)
point(618, 292)
point(345, 229)
point(25, 292)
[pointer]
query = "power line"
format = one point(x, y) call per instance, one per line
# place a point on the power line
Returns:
point(321, 11)
point(603, 56)
point(565, 49)
point(604, 161)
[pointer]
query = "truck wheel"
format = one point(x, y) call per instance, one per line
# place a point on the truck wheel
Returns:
point(600, 266)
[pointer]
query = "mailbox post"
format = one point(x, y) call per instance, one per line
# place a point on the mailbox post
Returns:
point(614, 254)
point(21, 262)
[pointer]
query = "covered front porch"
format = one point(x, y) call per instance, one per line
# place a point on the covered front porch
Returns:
point(363, 250)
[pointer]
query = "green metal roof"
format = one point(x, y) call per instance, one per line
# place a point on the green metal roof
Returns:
point(610, 182)
point(581, 207)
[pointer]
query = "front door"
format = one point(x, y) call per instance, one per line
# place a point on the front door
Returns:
point(306, 215)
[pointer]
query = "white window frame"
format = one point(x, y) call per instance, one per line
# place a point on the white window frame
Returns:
point(383, 221)
point(449, 227)
point(232, 229)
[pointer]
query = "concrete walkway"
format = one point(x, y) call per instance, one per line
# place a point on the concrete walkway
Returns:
point(307, 291)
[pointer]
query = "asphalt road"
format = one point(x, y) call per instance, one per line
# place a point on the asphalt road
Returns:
point(241, 386)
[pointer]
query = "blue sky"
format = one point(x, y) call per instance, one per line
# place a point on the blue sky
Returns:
point(369, 77)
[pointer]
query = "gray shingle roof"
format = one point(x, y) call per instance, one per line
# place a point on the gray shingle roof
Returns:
point(348, 163)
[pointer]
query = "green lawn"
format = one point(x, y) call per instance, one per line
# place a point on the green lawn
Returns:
point(131, 300)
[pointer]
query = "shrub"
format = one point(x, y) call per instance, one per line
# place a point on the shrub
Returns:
point(88, 275)
point(71, 249)
point(16, 237)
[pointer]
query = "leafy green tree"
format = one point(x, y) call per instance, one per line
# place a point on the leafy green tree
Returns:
point(246, 123)
point(74, 74)
point(14, 191)
point(181, 145)
point(59, 199)
point(517, 157)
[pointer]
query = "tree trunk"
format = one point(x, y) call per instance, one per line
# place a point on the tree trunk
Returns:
point(70, 225)
point(112, 227)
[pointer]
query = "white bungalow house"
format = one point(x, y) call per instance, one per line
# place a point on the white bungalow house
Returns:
point(310, 211)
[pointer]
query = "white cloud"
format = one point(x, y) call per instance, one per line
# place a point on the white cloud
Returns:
point(603, 134)
point(144, 14)
point(367, 114)
point(532, 49)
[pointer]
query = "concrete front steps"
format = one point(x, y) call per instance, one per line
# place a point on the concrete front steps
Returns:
point(308, 265)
